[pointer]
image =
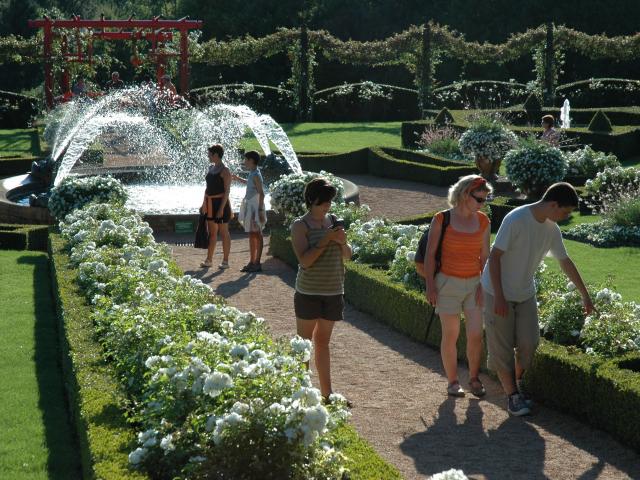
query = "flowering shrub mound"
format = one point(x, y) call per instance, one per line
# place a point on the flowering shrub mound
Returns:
point(287, 192)
point(441, 140)
point(612, 329)
point(350, 212)
point(377, 240)
point(75, 192)
point(534, 165)
point(210, 390)
point(587, 162)
point(605, 234)
point(403, 266)
point(612, 184)
point(452, 474)
point(487, 138)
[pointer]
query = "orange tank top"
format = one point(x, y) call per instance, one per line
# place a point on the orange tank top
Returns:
point(461, 251)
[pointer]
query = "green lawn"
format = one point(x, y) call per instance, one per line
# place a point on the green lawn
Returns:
point(35, 440)
point(19, 143)
point(337, 137)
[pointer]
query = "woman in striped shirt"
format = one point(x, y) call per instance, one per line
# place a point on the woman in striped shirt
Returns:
point(456, 286)
point(320, 244)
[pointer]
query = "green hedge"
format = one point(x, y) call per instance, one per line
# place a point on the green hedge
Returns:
point(95, 397)
point(10, 166)
point(593, 389)
point(23, 237)
point(337, 163)
point(623, 142)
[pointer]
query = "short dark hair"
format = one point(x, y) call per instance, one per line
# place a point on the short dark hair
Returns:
point(253, 156)
point(217, 148)
point(549, 120)
point(317, 191)
point(563, 193)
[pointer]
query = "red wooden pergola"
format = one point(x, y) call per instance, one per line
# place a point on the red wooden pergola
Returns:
point(157, 31)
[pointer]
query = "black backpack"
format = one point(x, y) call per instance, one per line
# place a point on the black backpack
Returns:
point(422, 245)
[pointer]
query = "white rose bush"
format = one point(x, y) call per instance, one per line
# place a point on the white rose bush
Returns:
point(487, 138)
point(586, 162)
point(75, 192)
point(210, 390)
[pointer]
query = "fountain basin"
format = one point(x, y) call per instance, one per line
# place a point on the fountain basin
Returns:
point(166, 207)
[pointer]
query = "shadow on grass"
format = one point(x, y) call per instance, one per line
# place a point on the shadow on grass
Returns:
point(63, 460)
point(388, 129)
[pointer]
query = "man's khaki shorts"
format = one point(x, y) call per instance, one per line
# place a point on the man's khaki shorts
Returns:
point(517, 333)
point(455, 294)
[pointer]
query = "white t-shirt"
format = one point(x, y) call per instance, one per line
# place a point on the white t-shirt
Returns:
point(525, 242)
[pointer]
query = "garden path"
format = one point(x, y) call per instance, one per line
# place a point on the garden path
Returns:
point(398, 389)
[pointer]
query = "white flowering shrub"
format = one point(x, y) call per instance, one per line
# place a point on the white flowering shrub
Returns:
point(403, 266)
point(612, 184)
point(210, 390)
point(452, 474)
point(377, 240)
point(605, 234)
point(287, 193)
point(350, 212)
point(487, 138)
point(586, 162)
point(75, 192)
point(612, 329)
point(534, 165)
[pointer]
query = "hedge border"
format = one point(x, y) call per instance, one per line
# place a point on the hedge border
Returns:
point(94, 394)
point(623, 144)
point(592, 389)
point(23, 237)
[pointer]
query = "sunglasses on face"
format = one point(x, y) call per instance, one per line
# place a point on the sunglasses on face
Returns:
point(478, 199)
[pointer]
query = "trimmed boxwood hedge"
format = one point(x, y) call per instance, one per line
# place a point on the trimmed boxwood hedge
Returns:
point(95, 398)
point(23, 237)
point(10, 166)
point(398, 163)
point(604, 393)
point(623, 144)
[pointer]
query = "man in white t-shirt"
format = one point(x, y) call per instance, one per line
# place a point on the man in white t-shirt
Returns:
point(526, 235)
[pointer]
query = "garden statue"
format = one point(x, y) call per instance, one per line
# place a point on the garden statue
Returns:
point(565, 119)
point(42, 173)
point(273, 167)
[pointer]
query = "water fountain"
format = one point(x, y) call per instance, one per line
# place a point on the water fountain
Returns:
point(155, 146)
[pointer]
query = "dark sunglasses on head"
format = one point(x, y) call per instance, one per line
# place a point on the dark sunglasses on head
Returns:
point(478, 199)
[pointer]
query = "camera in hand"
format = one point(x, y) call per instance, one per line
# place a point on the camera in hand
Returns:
point(339, 223)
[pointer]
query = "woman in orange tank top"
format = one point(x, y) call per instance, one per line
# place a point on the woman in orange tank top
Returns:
point(456, 288)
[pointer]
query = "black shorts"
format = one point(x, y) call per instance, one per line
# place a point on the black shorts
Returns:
point(311, 307)
point(215, 206)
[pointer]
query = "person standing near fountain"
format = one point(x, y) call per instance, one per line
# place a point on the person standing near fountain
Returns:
point(216, 206)
point(116, 83)
point(252, 213)
point(550, 134)
point(320, 244)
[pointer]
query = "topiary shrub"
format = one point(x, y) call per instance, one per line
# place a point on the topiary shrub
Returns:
point(444, 117)
point(600, 122)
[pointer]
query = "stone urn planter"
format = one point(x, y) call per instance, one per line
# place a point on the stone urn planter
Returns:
point(488, 169)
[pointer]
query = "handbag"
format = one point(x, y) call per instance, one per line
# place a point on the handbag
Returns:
point(202, 233)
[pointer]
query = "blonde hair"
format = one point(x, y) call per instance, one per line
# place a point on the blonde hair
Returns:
point(467, 184)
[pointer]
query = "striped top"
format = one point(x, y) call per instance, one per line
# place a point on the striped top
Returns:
point(461, 250)
point(326, 275)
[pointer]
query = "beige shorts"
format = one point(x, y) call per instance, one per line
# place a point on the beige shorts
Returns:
point(518, 333)
point(455, 294)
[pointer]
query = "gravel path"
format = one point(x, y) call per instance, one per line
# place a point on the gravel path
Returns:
point(398, 385)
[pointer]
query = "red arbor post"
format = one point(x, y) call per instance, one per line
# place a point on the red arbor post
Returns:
point(157, 31)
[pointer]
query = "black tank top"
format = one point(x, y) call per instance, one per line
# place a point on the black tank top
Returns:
point(215, 183)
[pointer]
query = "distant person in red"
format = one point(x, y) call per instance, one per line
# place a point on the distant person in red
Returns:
point(167, 84)
point(79, 88)
point(115, 83)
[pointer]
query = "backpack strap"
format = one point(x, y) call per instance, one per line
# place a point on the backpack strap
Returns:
point(446, 219)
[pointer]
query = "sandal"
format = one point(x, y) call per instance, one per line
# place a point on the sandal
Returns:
point(476, 387)
point(206, 264)
point(328, 401)
point(455, 390)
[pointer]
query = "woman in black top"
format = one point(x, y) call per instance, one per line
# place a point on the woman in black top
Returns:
point(216, 205)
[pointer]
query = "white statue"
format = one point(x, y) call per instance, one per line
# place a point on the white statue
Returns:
point(565, 119)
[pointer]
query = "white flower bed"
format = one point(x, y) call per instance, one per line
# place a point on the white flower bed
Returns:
point(75, 192)
point(605, 234)
point(287, 192)
point(376, 241)
point(588, 162)
point(613, 329)
point(209, 387)
point(613, 184)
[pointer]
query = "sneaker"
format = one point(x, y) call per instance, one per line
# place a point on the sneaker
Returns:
point(516, 406)
point(206, 264)
point(247, 267)
point(522, 391)
point(254, 267)
point(476, 387)
point(223, 265)
point(455, 390)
